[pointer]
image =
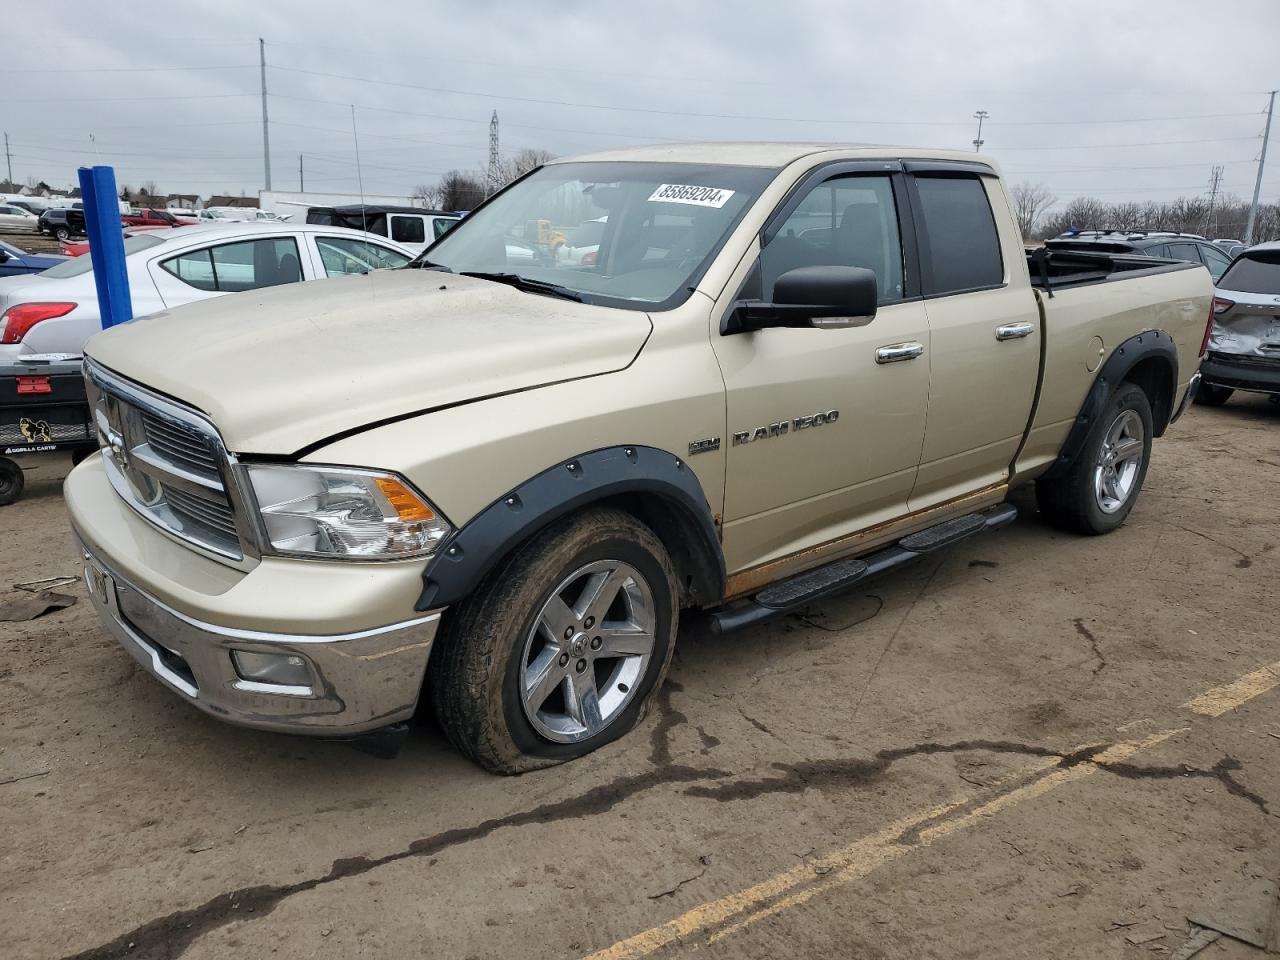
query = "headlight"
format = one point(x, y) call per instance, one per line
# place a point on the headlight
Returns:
point(344, 513)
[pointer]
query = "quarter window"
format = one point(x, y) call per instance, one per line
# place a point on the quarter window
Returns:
point(845, 221)
point(232, 267)
point(959, 240)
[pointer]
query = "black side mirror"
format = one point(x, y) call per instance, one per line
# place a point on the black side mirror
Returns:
point(827, 297)
point(4, 256)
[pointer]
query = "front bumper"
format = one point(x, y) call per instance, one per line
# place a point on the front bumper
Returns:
point(1241, 373)
point(359, 682)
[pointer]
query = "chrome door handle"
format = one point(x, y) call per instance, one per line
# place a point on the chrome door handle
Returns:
point(895, 352)
point(1014, 331)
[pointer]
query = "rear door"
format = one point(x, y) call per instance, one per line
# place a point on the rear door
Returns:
point(984, 331)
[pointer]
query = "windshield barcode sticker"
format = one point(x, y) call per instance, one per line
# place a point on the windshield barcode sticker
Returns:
point(698, 196)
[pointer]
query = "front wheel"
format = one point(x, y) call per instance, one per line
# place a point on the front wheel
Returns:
point(62, 233)
point(560, 648)
point(1096, 494)
point(1212, 396)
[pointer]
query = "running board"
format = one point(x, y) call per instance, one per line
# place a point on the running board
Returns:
point(804, 588)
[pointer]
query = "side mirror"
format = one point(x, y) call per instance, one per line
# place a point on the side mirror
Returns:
point(825, 297)
point(4, 256)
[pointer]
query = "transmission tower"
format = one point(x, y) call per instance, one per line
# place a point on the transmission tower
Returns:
point(491, 185)
point(1215, 182)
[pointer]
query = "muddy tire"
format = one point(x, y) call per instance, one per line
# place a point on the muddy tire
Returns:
point(561, 647)
point(1096, 494)
point(11, 481)
point(1210, 396)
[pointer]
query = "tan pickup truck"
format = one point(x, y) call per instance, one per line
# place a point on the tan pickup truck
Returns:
point(491, 481)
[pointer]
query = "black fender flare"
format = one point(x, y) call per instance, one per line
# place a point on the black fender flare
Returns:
point(473, 550)
point(1140, 347)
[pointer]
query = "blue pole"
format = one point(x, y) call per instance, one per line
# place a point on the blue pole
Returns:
point(106, 244)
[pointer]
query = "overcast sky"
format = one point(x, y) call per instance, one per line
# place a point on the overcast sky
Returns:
point(1114, 99)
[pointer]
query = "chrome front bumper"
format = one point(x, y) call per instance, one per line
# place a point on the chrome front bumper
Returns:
point(359, 682)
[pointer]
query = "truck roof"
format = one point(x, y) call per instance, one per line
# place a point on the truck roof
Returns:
point(768, 153)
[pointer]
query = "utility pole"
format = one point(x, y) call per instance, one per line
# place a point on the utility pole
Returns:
point(266, 138)
point(491, 182)
point(1215, 181)
point(978, 141)
point(302, 188)
point(1262, 160)
point(8, 158)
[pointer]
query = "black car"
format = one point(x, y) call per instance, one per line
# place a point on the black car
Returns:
point(1166, 246)
point(62, 223)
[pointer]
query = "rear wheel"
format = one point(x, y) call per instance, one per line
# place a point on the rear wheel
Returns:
point(62, 233)
point(11, 481)
point(559, 650)
point(1210, 396)
point(1098, 491)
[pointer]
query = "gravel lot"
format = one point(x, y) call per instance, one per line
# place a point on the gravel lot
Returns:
point(999, 753)
point(31, 242)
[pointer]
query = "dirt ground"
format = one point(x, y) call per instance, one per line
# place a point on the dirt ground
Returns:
point(31, 242)
point(1030, 746)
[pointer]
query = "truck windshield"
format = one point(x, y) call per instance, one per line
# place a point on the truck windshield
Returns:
point(635, 235)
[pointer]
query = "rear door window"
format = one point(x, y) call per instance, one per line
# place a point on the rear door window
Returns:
point(408, 229)
point(1184, 251)
point(232, 267)
point(1254, 273)
point(960, 249)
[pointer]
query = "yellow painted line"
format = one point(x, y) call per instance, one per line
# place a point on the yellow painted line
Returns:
point(885, 846)
point(783, 891)
point(1220, 700)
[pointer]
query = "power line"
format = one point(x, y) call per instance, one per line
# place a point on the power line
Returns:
point(586, 105)
point(219, 66)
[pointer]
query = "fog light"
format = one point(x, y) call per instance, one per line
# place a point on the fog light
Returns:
point(284, 669)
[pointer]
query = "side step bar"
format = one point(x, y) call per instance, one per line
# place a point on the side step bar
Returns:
point(785, 595)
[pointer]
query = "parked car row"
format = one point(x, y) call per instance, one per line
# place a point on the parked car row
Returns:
point(1167, 246)
point(57, 310)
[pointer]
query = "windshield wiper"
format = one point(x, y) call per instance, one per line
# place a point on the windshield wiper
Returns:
point(525, 283)
point(428, 265)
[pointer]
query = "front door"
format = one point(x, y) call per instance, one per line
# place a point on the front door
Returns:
point(825, 426)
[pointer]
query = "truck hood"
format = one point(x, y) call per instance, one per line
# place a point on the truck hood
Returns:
point(281, 369)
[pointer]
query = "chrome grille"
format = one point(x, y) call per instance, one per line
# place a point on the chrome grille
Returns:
point(208, 515)
point(167, 462)
point(179, 444)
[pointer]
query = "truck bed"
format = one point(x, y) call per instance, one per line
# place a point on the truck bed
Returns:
point(1055, 269)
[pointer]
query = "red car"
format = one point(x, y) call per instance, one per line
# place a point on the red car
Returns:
point(154, 218)
point(76, 248)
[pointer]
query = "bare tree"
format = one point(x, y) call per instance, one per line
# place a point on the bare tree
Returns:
point(460, 190)
point(1030, 203)
point(429, 195)
point(517, 165)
